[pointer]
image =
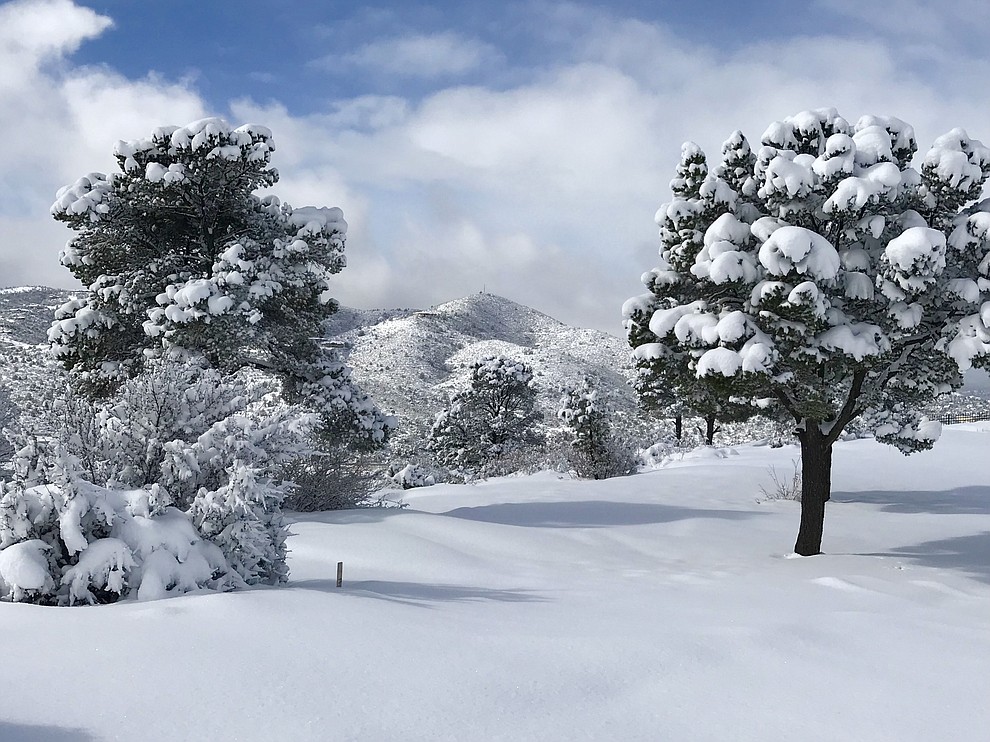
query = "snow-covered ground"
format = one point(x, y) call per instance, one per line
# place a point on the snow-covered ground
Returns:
point(664, 606)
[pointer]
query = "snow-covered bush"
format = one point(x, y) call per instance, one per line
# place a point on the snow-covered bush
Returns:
point(823, 279)
point(595, 451)
point(334, 477)
point(9, 414)
point(177, 444)
point(489, 421)
point(244, 518)
point(70, 541)
point(412, 475)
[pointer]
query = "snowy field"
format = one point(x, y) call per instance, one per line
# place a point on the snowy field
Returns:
point(664, 606)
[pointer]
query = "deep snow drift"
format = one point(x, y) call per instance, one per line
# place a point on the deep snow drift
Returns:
point(663, 606)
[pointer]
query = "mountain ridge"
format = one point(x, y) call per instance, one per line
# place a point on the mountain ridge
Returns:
point(413, 361)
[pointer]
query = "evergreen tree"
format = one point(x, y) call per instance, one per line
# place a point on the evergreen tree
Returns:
point(244, 518)
point(595, 454)
point(180, 256)
point(492, 418)
point(664, 382)
point(848, 289)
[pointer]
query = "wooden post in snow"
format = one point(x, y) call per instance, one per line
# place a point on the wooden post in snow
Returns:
point(340, 574)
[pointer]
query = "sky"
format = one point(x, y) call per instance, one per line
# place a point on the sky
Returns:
point(517, 148)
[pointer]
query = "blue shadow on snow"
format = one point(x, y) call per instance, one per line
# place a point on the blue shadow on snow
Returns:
point(967, 554)
point(420, 594)
point(960, 501)
point(10, 732)
point(588, 514)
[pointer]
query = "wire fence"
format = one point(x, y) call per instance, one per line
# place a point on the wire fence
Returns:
point(963, 417)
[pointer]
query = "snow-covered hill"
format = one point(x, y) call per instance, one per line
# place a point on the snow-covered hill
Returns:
point(27, 369)
point(661, 606)
point(26, 313)
point(412, 361)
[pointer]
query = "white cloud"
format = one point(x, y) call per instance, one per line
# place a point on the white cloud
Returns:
point(58, 123)
point(444, 54)
point(45, 29)
point(543, 191)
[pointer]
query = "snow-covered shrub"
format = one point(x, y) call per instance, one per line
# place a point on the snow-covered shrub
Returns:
point(412, 475)
point(595, 452)
point(244, 518)
point(822, 279)
point(657, 454)
point(177, 439)
point(488, 422)
point(9, 414)
point(25, 575)
point(334, 477)
point(70, 541)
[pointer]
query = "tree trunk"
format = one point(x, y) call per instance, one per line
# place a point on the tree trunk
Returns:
point(828, 473)
point(678, 427)
point(710, 430)
point(816, 482)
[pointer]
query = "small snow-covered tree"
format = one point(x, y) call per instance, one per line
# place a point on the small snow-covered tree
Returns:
point(489, 420)
point(595, 453)
point(828, 279)
point(180, 256)
point(244, 518)
point(67, 541)
point(9, 414)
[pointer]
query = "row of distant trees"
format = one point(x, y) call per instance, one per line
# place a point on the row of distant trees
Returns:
point(488, 426)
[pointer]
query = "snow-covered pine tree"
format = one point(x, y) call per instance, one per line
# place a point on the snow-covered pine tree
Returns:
point(490, 419)
point(9, 414)
point(664, 380)
point(180, 255)
point(849, 286)
point(244, 518)
point(595, 453)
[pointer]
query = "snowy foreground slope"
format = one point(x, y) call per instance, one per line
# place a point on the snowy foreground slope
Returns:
point(663, 606)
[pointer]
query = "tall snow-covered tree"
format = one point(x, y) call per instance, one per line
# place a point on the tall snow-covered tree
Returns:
point(491, 418)
point(841, 284)
point(181, 256)
point(663, 379)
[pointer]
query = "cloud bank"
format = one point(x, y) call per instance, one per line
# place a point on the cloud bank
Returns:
point(539, 183)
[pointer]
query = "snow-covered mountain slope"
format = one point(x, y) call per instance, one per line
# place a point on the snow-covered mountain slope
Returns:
point(26, 313)
point(661, 606)
point(414, 360)
point(27, 369)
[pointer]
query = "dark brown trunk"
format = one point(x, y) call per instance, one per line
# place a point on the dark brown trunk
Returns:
point(710, 430)
point(678, 427)
point(828, 473)
point(816, 482)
